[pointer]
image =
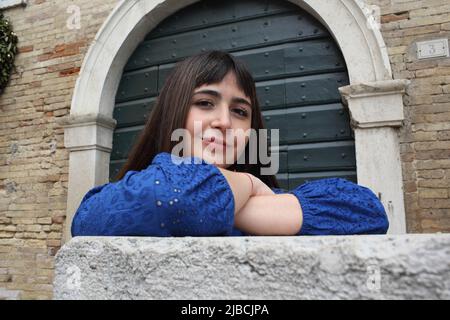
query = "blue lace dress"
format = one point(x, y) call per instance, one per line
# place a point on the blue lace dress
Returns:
point(187, 196)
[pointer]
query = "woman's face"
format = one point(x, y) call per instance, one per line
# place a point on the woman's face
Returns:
point(221, 112)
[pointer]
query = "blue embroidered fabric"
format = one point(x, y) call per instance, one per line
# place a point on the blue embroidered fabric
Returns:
point(177, 196)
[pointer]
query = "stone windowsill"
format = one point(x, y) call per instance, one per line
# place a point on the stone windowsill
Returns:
point(412, 266)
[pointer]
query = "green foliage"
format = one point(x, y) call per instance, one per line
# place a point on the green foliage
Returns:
point(8, 51)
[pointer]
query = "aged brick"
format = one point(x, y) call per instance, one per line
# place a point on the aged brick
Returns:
point(423, 21)
point(18, 221)
point(54, 243)
point(443, 135)
point(431, 126)
point(69, 72)
point(10, 228)
point(45, 272)
point(36, 295)
point(33, 228)
point(429, 10)
point(433, 193)
point(435, 213)
point(434, 183)
point(58, 219)
point(6, 234)
point(5, 278)
point(56, 227)
point(422, 64)
point(433, 154)
point(435, 225)
point(434, 108)
point(431, 174)
point(410, 186)
point(25, 49)
point(434, 203)
point(54, 235)
point(44, 220)
point(394, 17)
point(5, 249)
point(445, 145)
point(408, 157)
point(424, 136)
point(425, 73)
point(418, 99)
point(441, 98)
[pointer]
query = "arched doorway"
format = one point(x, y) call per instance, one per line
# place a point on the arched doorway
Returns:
point(374, 99)
point(297, 67)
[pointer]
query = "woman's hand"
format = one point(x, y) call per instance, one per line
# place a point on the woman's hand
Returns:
point(259, 187)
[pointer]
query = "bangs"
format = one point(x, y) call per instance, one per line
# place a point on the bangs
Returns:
point(217, 65)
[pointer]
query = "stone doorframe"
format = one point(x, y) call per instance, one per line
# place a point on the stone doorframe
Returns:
point(373, 98)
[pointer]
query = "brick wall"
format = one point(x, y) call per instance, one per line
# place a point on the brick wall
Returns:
point(33, 160)
point(34, 163)
point(425, 138)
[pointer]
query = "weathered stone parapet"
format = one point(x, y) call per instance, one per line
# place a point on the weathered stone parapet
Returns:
point(412, 266)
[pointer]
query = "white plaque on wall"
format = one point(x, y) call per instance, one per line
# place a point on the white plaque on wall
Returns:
point(432, 49)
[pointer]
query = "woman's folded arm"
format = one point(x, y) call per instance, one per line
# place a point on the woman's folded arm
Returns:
point(270, 215)
point(332, 206)
point(176, 197)
point(336, 206)
point(128, 207)
point(171, 197)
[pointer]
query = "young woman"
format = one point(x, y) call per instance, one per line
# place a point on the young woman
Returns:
point(199, 193)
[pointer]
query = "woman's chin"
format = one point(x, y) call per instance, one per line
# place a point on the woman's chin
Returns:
point(216, 157)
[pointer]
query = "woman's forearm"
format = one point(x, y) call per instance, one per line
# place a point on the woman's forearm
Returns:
point(270, 215)
point(241, 186)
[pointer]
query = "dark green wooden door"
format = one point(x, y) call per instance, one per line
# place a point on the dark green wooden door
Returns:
point(297, 67)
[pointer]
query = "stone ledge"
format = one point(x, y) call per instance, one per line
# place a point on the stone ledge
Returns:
point(412, 266)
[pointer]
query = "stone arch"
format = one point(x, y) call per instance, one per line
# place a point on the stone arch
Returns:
point(373, 97)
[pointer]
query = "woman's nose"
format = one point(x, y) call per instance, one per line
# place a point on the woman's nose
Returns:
point(223, 118)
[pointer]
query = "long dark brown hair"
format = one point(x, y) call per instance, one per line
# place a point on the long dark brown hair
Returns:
point(173, 103)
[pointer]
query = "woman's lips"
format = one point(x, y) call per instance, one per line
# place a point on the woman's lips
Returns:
point(214, 143)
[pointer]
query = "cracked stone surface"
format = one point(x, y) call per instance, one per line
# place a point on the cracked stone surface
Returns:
point(413, 266)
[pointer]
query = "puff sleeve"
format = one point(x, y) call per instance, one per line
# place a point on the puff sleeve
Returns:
point(336, 206)
point(173, 196)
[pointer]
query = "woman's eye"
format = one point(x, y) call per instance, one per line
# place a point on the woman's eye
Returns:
point(204, 103)
point(241, 112)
